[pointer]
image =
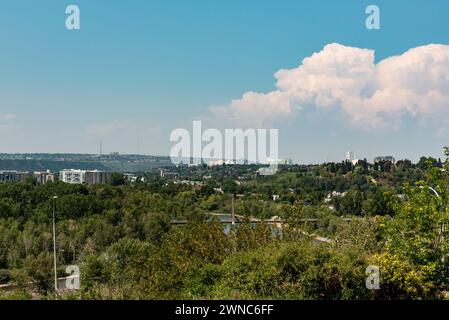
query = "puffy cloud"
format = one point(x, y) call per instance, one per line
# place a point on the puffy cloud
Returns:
point(274, 105)
point(371, 95)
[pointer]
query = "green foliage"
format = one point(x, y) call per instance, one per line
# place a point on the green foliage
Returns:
point(296, 270)
point(5, 276)
point(122, 237)
point(39, 268)
point(117, 179)
point(401, 279)
point(361, 236)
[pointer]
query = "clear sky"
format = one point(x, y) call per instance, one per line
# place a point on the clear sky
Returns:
point(138, 69)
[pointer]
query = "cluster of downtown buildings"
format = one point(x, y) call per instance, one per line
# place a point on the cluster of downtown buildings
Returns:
point(90, 177)
point(72, 176)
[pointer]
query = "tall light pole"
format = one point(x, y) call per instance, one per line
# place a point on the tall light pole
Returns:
point(54, 244)
point(442, 224)
point(233, 230)
point(434, 191)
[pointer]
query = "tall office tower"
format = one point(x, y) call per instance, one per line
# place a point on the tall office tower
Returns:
point(350, 156)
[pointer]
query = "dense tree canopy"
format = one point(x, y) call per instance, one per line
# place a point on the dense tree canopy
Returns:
point(125, 239)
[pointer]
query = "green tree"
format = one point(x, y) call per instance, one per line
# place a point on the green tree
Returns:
point(117, 179)
point(418, 232)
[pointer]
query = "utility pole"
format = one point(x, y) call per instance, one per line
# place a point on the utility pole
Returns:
point(442, 224)
point(54, 244)
point(233, 230)
point(232, 210)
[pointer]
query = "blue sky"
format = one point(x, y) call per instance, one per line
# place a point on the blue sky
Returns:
point(138, 69)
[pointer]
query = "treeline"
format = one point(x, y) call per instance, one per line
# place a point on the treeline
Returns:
point(122, 238)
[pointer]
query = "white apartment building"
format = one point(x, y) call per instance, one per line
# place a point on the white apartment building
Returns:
point(350, 156)
point(72, 176)
point(76, 176)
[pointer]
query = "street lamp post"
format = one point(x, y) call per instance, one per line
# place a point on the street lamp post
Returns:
point(54, 244)
point(442, 224)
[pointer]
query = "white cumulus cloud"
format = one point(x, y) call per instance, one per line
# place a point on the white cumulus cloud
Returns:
point(415, 83)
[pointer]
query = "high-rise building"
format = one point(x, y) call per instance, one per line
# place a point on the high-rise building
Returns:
point(95, 177)
point(74, 176)
point(350, 156)
point(12, 176)
point(42, 177)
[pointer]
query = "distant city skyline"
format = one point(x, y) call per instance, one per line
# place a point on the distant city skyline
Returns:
point(130, 158)
point(136, 71)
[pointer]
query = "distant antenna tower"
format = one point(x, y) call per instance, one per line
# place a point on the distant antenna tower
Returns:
point(101, 147)
point(138, 145)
